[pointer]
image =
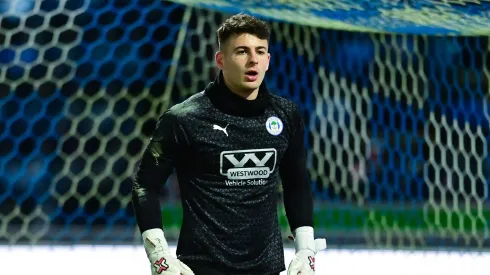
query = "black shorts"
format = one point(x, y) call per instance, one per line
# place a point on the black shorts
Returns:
point(200, 269)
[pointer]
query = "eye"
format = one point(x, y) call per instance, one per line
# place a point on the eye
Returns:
point(240, 52)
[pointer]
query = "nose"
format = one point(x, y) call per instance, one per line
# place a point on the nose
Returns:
point(253, 58)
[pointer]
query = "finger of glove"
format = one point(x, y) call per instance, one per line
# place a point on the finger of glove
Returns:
point(320, 244)
point(295, 266)
point(185, 269)
point(306, 270)
point(293, 271)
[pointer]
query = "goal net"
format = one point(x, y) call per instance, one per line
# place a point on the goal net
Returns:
point(395, 99)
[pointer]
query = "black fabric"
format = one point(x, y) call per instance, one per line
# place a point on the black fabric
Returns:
point(202, 269)
point(229, 157)
point(228, 102)
point(159, 159)
point(297, 193)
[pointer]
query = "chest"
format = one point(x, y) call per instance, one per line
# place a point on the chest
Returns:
point(225, 144)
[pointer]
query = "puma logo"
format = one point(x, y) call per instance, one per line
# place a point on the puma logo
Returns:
point(217, 127)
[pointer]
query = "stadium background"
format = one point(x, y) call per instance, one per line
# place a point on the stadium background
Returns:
point(395, 99)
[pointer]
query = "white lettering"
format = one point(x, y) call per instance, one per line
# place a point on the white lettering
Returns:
point(257, 182)
point(245, 183)
point(253, 164)
point(235, 183)
point(247, 173)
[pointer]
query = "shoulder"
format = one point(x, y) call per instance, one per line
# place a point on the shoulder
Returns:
point(286, 106)
point(292, 119)
point(288, 111)
point(187, 109)
point(173, 120)
point(180, 112)
point(189, 106)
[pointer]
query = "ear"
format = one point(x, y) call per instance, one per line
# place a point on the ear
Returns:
point(219, 59)
point(268, 61)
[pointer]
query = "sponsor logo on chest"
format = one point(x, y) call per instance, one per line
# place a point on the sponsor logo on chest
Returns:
point(248, 167)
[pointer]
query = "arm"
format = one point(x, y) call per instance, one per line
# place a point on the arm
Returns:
point(159, 160)
point(157, 163)
point(298, 201)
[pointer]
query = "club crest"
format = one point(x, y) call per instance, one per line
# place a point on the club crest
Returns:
point(274, 125)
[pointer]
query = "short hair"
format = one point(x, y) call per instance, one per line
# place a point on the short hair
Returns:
point(241, 24)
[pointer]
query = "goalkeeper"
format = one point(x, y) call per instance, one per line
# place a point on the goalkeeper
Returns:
point(229, 146)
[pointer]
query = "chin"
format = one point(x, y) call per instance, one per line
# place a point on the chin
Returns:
point(249, 88)
point(252, 85)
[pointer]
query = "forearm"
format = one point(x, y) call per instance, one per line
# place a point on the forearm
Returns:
point(298, 199)
point(146, 208)
point(149, 178)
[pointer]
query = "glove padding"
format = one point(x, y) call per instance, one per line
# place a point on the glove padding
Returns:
point(161, 260)
point(306, 246)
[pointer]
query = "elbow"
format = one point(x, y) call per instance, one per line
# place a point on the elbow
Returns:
point(138, 193)
point(143, 181)
point(139, 189)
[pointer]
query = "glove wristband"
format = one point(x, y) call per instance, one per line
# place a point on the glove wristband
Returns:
point(154, 241)
point(304, 238)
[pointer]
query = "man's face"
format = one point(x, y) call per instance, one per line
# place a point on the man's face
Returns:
point(244, 59)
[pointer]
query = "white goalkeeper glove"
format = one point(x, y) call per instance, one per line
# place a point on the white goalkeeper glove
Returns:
point(161, 260)
point(306, 248)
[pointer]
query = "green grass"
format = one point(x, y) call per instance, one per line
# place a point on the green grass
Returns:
point(342, 218)
point(396, 218)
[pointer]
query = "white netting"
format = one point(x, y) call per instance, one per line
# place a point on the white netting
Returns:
point(397, 125)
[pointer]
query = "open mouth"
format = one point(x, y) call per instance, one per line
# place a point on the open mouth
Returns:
point(252, 73)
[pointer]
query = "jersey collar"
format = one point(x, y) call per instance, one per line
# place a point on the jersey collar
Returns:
point(228, 102)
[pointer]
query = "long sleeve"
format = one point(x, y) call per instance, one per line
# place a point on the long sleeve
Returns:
point(298, 199)
point(158, 162)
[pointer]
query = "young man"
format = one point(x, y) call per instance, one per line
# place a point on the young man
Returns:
point(229, 145)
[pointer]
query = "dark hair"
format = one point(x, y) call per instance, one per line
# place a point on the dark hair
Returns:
point(240, 24)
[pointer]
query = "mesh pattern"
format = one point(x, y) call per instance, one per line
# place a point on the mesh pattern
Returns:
point(397, 125)
point(456, 17)
point(82, 82)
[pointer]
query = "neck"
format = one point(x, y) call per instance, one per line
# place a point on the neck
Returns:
point(252, 103)
point(246, 94)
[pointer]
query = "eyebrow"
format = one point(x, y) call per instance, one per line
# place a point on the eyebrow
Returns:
point(246, 48)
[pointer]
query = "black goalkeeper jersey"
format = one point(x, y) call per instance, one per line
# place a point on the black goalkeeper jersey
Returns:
point(229, 154)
